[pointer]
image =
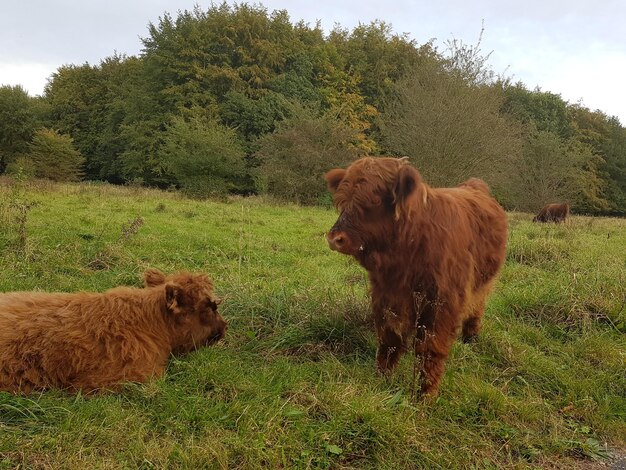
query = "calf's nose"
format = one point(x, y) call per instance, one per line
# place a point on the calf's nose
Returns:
point(336, 240)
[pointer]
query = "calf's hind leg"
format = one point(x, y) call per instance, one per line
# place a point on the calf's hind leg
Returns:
point(471, 328)
point(473, 322)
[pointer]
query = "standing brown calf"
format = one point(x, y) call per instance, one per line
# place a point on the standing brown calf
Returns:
point(432, 256)
point(552, 213)
point(91, 341)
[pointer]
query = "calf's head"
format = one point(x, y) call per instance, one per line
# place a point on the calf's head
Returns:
point(191, 309)
point(371, 195)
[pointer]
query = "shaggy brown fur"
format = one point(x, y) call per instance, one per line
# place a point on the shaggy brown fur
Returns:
point(432, 256)
point(92, 341)
point(552, 213)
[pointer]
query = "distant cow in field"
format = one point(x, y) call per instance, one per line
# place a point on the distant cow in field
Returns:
point(432, 255)
point(92, 341)
point(552, 213)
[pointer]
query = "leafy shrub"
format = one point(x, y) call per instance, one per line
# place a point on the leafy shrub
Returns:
point(295, 157)
point(205, 157)
point(52, 156)
point(23, 167)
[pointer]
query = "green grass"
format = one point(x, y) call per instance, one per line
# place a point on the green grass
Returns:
point(293, 384)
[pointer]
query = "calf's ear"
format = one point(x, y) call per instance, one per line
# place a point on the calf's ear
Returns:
point(212, 303)
point(153, 277)
point(174, 298)
point(333, 178)
point(407, 182)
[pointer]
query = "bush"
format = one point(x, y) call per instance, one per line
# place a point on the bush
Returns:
point(53, 156)
point(553, 169)
point(205, 157)
point(449, 128)
point(23, 167)
point(295, 157)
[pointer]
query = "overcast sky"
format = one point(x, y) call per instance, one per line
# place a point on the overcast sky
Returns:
point(576, 48)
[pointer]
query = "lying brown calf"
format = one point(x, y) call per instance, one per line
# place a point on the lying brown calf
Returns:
point(91, 341)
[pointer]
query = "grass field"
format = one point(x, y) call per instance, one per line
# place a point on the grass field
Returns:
point(293, 384)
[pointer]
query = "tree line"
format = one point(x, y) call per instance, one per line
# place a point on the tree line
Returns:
point(236, 99)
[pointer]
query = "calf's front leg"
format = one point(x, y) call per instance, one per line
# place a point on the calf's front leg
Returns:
point(392, 334)
point(432, 346)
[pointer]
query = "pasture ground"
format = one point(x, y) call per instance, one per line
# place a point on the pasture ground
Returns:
point(293, 384)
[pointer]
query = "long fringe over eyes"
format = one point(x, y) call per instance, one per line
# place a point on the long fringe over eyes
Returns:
point(366, 183)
